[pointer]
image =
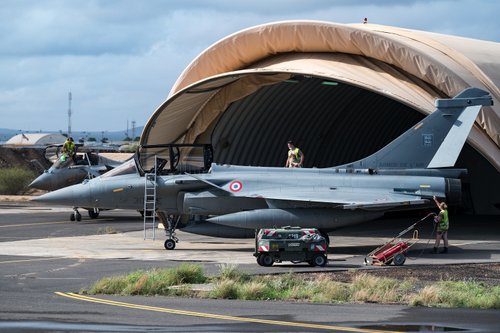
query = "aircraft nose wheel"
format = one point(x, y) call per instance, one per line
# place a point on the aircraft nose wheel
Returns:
point(75, 216)
point(169, 244)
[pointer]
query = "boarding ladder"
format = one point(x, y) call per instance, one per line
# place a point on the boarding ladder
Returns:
point(150, 201)
point(90, 175)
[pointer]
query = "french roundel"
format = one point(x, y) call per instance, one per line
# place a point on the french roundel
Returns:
point(235, 186)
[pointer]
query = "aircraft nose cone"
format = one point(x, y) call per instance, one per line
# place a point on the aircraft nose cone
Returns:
point(42, 182)
point(74, 196)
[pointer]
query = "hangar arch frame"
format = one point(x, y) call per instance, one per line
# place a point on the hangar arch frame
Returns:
point(412, 68)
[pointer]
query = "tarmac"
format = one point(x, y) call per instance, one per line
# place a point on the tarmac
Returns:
point(472, 240)
point(45, 260)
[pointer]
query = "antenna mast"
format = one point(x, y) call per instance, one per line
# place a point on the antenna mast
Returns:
point(69, 114)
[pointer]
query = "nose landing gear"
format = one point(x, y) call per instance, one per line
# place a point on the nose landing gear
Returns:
point(75, 215)
point(170, 224)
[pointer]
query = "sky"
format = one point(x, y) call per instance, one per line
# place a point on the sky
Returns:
point(120, 58)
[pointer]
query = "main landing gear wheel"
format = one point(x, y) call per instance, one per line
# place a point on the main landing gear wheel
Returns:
point(169, 244)
point(93, 213)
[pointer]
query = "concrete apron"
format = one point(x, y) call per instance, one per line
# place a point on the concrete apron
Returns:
point(132, 246)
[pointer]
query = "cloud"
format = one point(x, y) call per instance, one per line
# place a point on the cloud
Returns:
point(121, 58)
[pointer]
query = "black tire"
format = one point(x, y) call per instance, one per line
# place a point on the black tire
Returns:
point(169, 244)
point(266, 260)
point(319, 260)
point(399, 259)
point(259, 259)
point(388, 262)
point(93, 214)
point(72, 217)
point(78, 217)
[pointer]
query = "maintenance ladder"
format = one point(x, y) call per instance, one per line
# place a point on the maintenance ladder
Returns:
point(90, 176)
point(150, 201)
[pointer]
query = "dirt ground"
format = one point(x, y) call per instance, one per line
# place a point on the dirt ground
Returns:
point(488, 273)
point(24, 157)
point(32, 159)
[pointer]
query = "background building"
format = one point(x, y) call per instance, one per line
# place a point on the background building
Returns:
point(36, 139)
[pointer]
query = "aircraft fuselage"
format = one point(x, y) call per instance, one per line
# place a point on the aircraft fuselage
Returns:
point(243, 196)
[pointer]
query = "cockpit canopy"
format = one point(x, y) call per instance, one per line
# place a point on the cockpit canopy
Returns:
point(175, 158)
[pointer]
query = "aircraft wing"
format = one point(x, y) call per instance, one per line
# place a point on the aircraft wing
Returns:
point(340, 198)
point(343, 198)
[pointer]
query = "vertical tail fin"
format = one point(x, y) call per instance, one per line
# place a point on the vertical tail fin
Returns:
point(434, 142)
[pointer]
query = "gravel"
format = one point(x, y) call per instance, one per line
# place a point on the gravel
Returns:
point(488, 273)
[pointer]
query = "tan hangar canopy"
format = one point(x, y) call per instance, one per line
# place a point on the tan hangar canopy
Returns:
point(406, 67)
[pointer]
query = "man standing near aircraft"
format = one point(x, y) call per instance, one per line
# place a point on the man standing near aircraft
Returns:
point(443, 224)
point(69, 148)
point(295, 157)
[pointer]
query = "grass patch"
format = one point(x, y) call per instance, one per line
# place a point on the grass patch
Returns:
point(231, 272)
point(234, 284)
point(459, 294)
point(226, 289)
point(15, 180)
point(153, 282)
point(368, 288)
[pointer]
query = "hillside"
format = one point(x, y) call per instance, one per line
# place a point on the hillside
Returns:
point(24, 157)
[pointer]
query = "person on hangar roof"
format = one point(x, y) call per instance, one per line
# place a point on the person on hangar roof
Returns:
point(295, 156)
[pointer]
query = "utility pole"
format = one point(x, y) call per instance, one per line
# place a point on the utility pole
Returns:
point(69, 114)
point(133, 130)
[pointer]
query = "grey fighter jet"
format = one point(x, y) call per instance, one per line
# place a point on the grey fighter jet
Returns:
point(403, 175)
point(66, 171)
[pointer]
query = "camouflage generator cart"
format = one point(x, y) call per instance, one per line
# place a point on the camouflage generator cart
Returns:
point(290, 244)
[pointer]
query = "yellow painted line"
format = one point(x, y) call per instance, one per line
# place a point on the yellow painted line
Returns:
point(45, 223)
point(30, 260)
point(216, 316)
point(118, 190)
point(425, 186)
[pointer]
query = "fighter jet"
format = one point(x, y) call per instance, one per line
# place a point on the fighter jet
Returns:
point(403, 175)
point(67, 171)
